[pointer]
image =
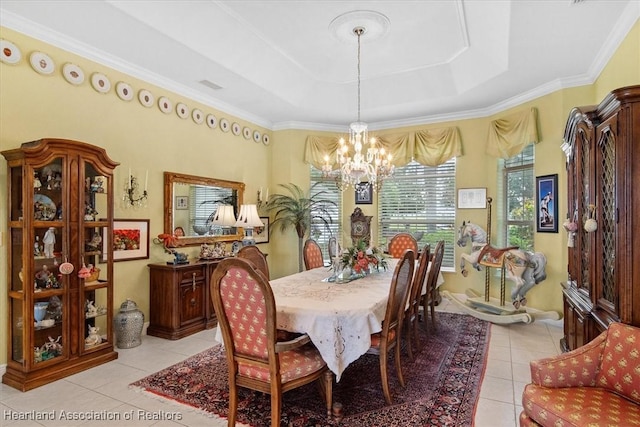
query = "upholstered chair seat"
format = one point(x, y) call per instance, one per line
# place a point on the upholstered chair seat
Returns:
point(597, 384)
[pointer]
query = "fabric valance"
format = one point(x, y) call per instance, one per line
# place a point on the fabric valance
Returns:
point(436, 146)
point(510, 135)
point(430, 147)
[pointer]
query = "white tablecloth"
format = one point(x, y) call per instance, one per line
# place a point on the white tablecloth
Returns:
point(338, 317)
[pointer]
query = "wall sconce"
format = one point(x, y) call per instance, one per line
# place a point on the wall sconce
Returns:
point(260, 199)
point(248, 219)
point(132, 198)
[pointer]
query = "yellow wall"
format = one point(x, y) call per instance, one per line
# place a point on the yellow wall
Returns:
point(33, 106)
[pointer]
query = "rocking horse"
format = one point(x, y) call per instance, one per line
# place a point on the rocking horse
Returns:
point(524, 269)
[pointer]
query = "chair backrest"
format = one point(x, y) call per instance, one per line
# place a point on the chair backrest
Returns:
point(418, 279)
point(246, 311)
point(400, 242)
point(312, 255)
point(334, 247)
point(436, 263)
point(255, 255)
point(399, 292)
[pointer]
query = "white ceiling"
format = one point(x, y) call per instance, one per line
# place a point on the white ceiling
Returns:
point(278, 64)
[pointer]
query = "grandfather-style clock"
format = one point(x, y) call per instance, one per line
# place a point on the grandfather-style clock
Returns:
point(360, 227)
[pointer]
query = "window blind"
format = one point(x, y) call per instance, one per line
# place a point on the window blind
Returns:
point(318, 230)
point(420, 200)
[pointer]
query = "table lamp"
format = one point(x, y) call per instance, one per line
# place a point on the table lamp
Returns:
point(248, 219)
point(224, 218)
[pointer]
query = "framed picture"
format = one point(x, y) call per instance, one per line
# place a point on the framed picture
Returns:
point(182, 202)
point(364, 194)
point(472, 198)
point(261, 234)
point(546, 206)
point(130, 240)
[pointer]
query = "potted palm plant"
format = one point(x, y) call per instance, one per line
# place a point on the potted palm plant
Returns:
point(300, 211)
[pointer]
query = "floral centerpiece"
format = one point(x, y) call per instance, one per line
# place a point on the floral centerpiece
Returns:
point(362, 259)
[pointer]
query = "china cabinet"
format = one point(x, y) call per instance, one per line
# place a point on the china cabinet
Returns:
point(60, 264)
point(180, 301)
point(602, 144)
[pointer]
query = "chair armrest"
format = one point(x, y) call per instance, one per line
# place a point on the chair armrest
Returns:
point(577, 368)
point(292, 344)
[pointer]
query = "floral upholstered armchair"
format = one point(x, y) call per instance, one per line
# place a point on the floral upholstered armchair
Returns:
point(597, 384)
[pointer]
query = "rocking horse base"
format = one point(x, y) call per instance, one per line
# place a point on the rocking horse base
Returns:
point(491, 311)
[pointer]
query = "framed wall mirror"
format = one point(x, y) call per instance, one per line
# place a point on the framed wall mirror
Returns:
point(190, 206)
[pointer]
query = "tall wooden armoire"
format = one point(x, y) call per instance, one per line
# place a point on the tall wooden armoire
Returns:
point(602, 144)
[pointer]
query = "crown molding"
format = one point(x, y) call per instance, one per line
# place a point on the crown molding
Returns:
point(627, 21)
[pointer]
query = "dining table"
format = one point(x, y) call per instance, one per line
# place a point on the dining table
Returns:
point(339, 316)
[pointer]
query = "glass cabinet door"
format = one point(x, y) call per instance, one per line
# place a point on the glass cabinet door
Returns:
point(48, 262)
point(94, 272)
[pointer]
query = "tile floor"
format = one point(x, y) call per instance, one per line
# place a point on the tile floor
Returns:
point(104, 391)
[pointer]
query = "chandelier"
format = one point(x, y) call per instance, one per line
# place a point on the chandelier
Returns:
point(357, 167)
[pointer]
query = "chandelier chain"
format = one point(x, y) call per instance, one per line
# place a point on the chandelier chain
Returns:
point(358, 31)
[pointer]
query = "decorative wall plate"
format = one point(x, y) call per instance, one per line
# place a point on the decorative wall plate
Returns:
point(165, 104)
point(235, 128)
point(224, 125)
point(124, 91)
point(9, 52)
point(100, 82)
point(212, 122)
point(73, 74)
point(42, 63)
point(197, 116)
point(256, 136)
point(145, 97)
point(182, 110)
point(265, 139)
point(246, 132)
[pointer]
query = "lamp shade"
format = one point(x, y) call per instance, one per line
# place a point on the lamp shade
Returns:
point(224, 217)
point(248, 217)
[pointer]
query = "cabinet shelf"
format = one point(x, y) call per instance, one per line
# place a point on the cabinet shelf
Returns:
point(95, 284)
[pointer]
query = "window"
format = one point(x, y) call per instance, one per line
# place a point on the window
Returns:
point(420, 200)
point(331, 192)
point(517, 207)
point(204, 202)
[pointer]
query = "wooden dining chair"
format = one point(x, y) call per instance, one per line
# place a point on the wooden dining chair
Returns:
point(246, 311)
point(312, 255)
point(400, 242)
point(255, 255)
point(429, 297)
point(412, 312)
point(390, 336)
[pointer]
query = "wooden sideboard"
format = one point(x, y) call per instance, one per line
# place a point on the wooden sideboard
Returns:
point(180, 302)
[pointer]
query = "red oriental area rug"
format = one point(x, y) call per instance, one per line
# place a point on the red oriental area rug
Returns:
point(442, 385)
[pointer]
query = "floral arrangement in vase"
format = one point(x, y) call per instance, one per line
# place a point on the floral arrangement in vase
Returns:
point(362, 259)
